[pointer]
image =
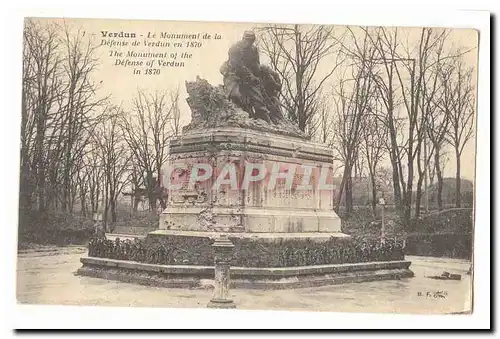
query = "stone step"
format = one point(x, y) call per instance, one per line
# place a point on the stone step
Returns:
point(262, 278)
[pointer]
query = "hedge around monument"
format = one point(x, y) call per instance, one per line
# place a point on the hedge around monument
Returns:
point(247, 252)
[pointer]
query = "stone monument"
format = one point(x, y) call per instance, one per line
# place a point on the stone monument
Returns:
point(240, 166)
point(242, 171)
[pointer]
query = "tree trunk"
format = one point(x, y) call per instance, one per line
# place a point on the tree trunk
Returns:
point(25, 188)
point(439, 176)
point(150, 187)
point(408, 195)
point(40, 167)
point(137, 200)
point(83, 203)
point(338, 198)
point(348, 194)
point(64, 206)
point(409, 185)
point(152, 201)
point(71, 202)
point(113, 209)
point(106, 207)
point(374, 196)
point(421, 175)
point(418, 197)
point(458, 200)
point(395, 165)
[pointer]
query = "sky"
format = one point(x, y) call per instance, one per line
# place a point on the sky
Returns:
point(122, 84)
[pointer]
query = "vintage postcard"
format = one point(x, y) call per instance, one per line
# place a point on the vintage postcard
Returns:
point(247, 166)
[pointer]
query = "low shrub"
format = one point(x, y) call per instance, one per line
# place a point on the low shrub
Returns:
point(450, 245)
point(455, 220)
point(136, 250)
point(446, 233)
point(53, 228)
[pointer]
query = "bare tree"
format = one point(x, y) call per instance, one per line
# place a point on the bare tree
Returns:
point(79, 102)
point(354, 99)
point(386, 41)
point(430, 124)
point(438, 120)
point(412, 65)
point(41, 91)
point(58, 103)
point(411, 91)
point(147, 132)
point(115, 158)
point(296, 53)
point(461, 115)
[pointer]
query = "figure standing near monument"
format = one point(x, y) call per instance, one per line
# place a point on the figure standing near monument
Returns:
point(242, 81)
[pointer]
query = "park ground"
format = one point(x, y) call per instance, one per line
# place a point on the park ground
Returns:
point(45, 275)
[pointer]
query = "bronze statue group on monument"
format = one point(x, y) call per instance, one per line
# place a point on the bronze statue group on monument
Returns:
point(248, 98)
point(251, 86)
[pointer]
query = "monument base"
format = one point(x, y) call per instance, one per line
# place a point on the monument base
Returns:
point(270, 278)
point(250, 219)
point(277, 183)
point(260, 261)
point(283, 237)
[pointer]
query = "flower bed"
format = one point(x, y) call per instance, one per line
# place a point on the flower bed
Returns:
point(249, 252)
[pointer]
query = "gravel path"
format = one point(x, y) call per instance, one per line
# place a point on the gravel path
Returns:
point(46, 276)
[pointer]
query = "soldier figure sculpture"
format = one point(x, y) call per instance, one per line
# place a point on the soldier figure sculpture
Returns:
point(242, 80)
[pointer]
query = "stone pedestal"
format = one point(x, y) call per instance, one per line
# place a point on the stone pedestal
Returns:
point(221, 202)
